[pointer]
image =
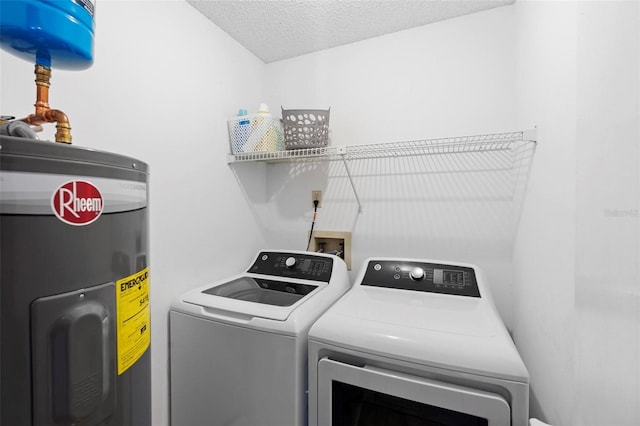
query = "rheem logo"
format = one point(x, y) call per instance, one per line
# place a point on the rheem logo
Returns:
point(77, 202)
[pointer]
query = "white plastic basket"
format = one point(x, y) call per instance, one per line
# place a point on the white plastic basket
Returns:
point(255, 133)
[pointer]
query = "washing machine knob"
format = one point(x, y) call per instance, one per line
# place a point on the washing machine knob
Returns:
point(417, 274)
point(290, 262)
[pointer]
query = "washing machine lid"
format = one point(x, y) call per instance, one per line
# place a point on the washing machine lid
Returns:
point(262, 290)
point(276, 286)
point(251, 295)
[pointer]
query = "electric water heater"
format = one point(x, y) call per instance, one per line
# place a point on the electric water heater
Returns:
point(74, 267)
point(74, 287)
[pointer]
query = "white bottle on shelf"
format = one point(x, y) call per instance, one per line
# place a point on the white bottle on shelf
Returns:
point(264, 132)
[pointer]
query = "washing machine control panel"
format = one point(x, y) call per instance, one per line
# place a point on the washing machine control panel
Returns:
point(293, 265)
point(419, 276)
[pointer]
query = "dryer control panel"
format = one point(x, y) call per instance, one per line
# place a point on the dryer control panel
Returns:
point(293, 265)
point(420, 276)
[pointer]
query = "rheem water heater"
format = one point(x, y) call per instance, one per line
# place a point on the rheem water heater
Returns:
point(74, 287)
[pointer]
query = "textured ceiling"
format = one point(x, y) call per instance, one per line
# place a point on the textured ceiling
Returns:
point(281, 29)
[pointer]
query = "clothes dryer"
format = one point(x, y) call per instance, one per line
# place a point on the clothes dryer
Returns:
point(415, 342)
point(239, 346)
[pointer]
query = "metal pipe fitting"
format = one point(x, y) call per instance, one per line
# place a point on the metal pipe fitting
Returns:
point(63, 128)
point(44, 114)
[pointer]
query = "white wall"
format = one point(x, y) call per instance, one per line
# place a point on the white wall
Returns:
point(544, 255)
point(576, 302)
point(163, 84)
point(451, 78)
point(607, 287)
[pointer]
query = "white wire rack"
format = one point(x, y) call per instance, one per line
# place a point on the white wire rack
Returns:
point(453, 145)
point(324, 153)
point(476, 143)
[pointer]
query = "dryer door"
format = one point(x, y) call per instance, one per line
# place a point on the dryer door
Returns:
point(352, 396)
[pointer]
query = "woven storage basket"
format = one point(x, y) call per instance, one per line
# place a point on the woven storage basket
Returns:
point(305, 128)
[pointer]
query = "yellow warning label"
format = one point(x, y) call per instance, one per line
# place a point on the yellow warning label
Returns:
point(134, 318)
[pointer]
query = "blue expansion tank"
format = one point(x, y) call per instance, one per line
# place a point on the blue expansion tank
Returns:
point(52, 33)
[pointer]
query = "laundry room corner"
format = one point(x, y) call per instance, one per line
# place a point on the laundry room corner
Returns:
point(464, 244)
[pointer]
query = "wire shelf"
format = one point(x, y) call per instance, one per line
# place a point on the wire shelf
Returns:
point(451, 145)
point(288, 155)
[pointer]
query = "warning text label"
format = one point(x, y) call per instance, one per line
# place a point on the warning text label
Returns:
point(134, 318)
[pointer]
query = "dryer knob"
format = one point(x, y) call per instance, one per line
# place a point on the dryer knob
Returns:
point(290, 262)
point(417, 274)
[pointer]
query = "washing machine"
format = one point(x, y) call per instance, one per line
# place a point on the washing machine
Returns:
point(415, 342)
point(238, 347)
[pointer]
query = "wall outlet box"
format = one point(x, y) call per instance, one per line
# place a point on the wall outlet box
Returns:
point(328, 241)
point(316, 195)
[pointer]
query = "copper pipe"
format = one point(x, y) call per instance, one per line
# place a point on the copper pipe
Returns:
point(43, 79)
point(63, 128)
point(43, 113)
